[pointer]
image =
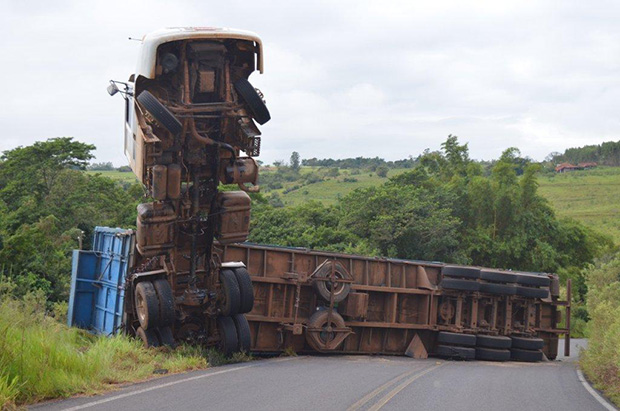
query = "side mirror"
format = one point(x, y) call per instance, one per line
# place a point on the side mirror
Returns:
point(112, 88)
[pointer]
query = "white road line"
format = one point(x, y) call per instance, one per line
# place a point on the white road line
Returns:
point(593, 392)
point(168, 384)
point(401, 387)
point(379, 390)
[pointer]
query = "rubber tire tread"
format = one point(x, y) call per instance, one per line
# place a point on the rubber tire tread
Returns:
point(527, 343)
point(228, 336)
point(244, 336)
point(149, 337)
point(257, 106)
point(529, 292)
point(165, 336)
point(466, 340)
point(501, 289)
point(518, 354)
point(320, 287)
point(246, 290)
point(230, 287)
point(166, 302)
point(500, 342)
point(456, 352)
point(533, 280)
point(492, 354)
point(458, 271)
point(152, 304)
point(160, 112)
point(498, 276)
point(461, 285)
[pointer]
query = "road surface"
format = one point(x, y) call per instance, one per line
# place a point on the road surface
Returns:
point(356, 383)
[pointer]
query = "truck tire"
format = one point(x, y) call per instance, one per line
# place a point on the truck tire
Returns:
point(498, 276)
point(149, 337)
point(230, 291)
point(534, 280)
point(255, 103)
point(527, 343)
point(492, 354)
point(319, 340)
point(501, 289)
point(529, 292)
point(493, 341)
point(229, 343)
point(244, 336)
point(323, 288)
point(461, 285)
point(467, 340)
point(455, 352)
point(246, 291)
point(159, 112)
point(458, 271)
point(147, 305)
point(518, 354)
point(165, 336)
point(166, 302)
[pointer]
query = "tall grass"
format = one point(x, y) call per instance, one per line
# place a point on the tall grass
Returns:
point(601, 361)
point(41, 358)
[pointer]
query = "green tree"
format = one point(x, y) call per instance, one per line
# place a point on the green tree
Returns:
point(295, 162)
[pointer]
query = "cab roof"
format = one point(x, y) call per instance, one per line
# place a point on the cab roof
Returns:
point(151, 41)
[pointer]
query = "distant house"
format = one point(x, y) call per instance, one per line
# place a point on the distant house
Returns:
point(564, 167)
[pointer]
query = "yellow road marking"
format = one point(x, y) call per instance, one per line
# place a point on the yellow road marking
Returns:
point(401, 387)
point(370, 396)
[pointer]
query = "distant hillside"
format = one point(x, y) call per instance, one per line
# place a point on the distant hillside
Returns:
point(607, 153)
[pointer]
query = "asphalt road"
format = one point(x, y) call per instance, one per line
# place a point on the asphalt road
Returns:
point(356, 382)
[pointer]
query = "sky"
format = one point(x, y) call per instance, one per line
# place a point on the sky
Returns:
point(342, 78)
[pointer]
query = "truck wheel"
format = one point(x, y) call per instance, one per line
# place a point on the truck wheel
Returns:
point(527, 343)
point(455, 352)
point(529, 292)
point(148, 337)
point(324, 287)
point(493, 341)
point(492, 354)
point(244, 336)
point(320, 340)
point(467, 340)
point(498, 276)
point(246, 291)
point(533, 280)
point(458, 271)
point(147, 305)
point(159, 112)
point(458, 284)
point(518, 354)
point(166, 302)
point(165, 336)
point(501, 289)
point(228, 336)
point(230, 291)
point(250, 96)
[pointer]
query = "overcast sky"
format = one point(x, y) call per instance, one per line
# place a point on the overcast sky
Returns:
point(342, 78)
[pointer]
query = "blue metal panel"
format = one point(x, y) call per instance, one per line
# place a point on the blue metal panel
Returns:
point(98, 278)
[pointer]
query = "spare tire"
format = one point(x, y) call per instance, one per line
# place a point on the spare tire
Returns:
point(159, 112)
point(323, 287)
point(459, 284)
point(458, 271)
point(446, 337)
point(253, 100)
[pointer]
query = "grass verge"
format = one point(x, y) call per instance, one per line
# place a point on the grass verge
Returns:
point(40, 358)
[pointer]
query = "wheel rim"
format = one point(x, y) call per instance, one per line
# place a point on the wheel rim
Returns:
point(141, 308)
point(338, 287)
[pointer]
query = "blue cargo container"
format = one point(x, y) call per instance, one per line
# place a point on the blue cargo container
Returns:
point(98, 281)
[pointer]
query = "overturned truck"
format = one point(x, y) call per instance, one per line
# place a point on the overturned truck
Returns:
point(185, 273)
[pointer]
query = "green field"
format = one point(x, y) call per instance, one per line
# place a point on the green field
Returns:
point(126, 177)
point(589, 196)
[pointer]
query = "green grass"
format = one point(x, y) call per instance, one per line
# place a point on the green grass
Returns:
point(40, 358)
point(126, 177)
point(589, 196)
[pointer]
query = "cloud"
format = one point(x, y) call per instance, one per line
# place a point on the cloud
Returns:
point(341, 79)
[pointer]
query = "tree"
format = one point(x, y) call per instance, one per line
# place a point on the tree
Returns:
point(382, 171)
point(294, 162)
